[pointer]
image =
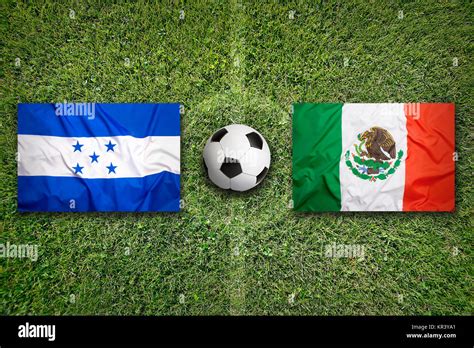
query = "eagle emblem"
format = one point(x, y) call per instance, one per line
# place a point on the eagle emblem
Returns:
point(375, 155)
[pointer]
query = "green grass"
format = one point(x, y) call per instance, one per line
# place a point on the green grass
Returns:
point(247, 63)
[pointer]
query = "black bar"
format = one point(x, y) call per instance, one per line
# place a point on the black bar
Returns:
point(240, 330)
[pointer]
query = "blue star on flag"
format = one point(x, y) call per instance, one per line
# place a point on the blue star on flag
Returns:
point(111, 168)
point(78, 146)
point(94, 158)
point(77, 169)
point(110, 146)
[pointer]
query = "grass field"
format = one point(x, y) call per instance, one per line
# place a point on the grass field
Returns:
point(237, 62)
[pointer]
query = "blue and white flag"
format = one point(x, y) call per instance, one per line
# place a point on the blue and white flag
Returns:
point(98, 157)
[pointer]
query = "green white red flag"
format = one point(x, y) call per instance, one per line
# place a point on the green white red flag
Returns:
point(373, 157)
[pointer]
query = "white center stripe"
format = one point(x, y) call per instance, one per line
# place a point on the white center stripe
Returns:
point(124, 157)
point(361, 194)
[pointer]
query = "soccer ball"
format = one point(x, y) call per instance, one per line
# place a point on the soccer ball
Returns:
point(236, 157)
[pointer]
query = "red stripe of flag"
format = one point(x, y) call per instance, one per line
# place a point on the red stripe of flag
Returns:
point(429, 181)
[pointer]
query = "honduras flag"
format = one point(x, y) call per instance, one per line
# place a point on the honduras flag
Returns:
point(98, 157)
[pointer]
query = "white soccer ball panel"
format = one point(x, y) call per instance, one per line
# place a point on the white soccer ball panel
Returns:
point(240, 129)
point(234, 145)
point(213, 155)
point(254, 161)
point(267, 153)
point(243, 182)
point(244, 130)
point(218, 178)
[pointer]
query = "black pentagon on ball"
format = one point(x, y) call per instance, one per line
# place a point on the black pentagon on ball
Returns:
point(231, 167)
point(217, 136)
point(255, 140)
point(262, 175)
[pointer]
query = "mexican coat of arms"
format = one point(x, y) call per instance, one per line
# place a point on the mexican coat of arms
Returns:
point(374, 156)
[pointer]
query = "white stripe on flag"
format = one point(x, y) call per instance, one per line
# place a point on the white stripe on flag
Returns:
point(364, 195)
point(134, 157)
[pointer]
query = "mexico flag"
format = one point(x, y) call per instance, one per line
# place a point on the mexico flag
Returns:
point(373, 157)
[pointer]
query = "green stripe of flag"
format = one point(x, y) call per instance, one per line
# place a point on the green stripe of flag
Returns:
point(317, 148)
